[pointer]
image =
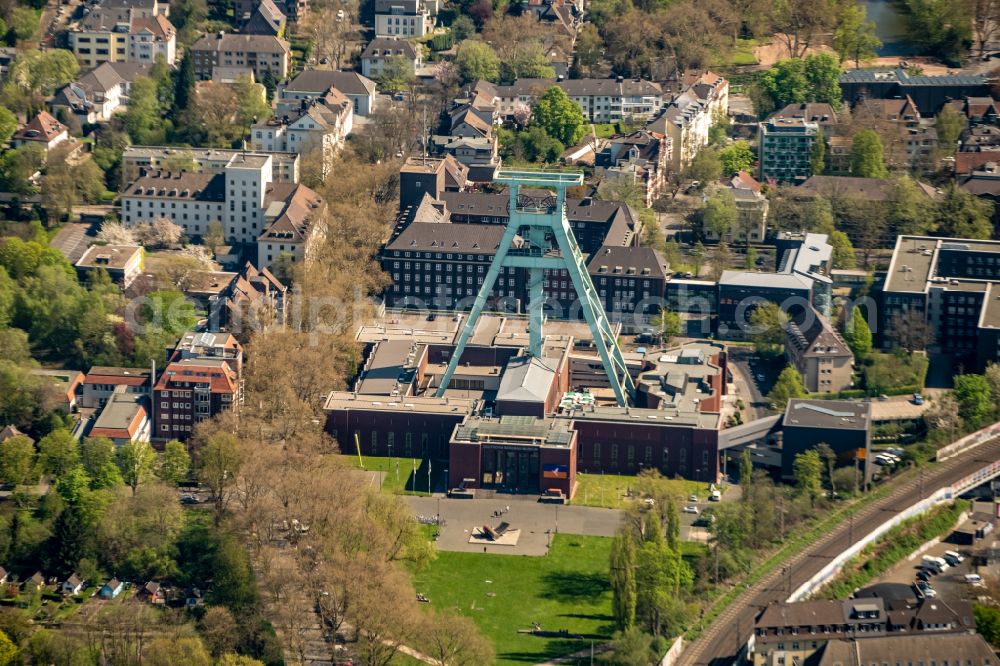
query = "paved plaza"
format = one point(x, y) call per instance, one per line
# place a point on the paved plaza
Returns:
point(535, 521)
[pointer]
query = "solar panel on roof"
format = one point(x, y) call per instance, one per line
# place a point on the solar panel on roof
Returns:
point(824, 410)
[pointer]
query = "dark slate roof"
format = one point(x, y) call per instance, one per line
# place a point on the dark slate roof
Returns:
point(444, 237)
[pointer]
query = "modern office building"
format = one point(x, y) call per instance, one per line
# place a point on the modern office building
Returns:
point(844, 425)
point(944, 294)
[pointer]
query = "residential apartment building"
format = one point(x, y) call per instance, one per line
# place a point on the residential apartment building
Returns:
point(135, 159)
point(265, 19)
point(944, 293)
point(190, 391)
point(630, 281)
point(101, 382)
point(884, 630)
point(818, 352)
point(267, 55)
point(313, 83)
point(276, 218)
point(404, 18)
point(601, 100)
point(786, 149)
point(319, 124)
point(691, 113)
point(119, 32)
point(382, 50)
point(642, 158)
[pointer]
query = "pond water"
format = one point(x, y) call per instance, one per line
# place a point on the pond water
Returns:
point(890, 26)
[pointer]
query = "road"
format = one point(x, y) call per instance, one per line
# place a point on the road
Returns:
point(746, 382)
point(719, 643)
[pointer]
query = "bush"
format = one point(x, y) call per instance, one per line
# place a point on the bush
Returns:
point(894, 545)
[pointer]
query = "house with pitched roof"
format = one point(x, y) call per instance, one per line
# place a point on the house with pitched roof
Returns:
point(266, 55)
point(641, 157)
point(313, 83)
point(252, 295)
point(299, 126)
point(123, 419)
point(818, 352)
point(98, 94)
point(265, 19)
point(382, 49)
point(42, 130)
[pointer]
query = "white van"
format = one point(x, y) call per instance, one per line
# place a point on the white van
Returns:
point(935, 564)
point(973, 579)
point(716, 496)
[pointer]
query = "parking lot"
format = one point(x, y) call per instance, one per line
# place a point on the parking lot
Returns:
point(949, 584)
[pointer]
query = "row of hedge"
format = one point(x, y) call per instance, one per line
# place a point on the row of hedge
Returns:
point(894, 545)
point(851, 394)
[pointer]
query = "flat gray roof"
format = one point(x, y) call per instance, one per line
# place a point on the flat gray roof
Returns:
point(840, 414)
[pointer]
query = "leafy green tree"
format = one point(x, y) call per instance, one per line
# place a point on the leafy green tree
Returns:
point(631, 647)
point(767, 329)
point(623, 583)
point(18, 165)
point(175, 463)
point(463, 28)
point(218, 463)
point(185, 82)
point(169, 651)
point(949, 124)
point(661, 575)
point(251, 102)
point(719, 213)
point(135, 459)
point(939, 27)
point(855, 38)
point(736, 157)
point(843, 251)
point(233, 585)
point(867, 159)
point(17, 460)
point(910, 211)
point(97, 454)
point(974, 399)
point(477, 61)
point(705, 166)
point(817, 162)
point(73, 485)
point(559, 116)
point(815, 78)
point(829, 459)
point(23, 23)
point(397, 74)
point(8, 651)
point(788, 386)
point(589, 49)
point(530, 62)
point(751, 258)
point(8, 125)
point(858, 335)
point(143, 117)
point(808, 470)
point(960, 214)
point(668, 324)
point(987, 623)
point(698, 256)
point(35, 75)
point(58, 453)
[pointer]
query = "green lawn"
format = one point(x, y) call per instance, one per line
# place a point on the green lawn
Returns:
point(605, 131)
point(611, 490)
point(885, 373)
point(568, 589)
point(399, 478)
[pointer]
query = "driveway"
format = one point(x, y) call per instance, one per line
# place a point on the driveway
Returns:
point(747, 386)
point(535, 521)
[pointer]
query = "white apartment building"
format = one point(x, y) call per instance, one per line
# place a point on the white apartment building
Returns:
point(404, 18)
point(304, 125)
point(690, 115)
point(601, 100)
point(253, 210)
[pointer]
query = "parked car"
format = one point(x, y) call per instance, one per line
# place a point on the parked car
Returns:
point(973, 579)
point(716, 496)
point(924, 576)
point(691, 509)
point(883, 397)
point(693, 498)
point(953, 557)
point(761, 376)
point(918, 399)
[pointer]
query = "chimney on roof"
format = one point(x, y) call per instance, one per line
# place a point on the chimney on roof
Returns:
point(620, 80)
point(220, 34)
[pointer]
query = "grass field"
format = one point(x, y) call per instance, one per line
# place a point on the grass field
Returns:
point(611, 490)
point(399, 478)
point(568, 589)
